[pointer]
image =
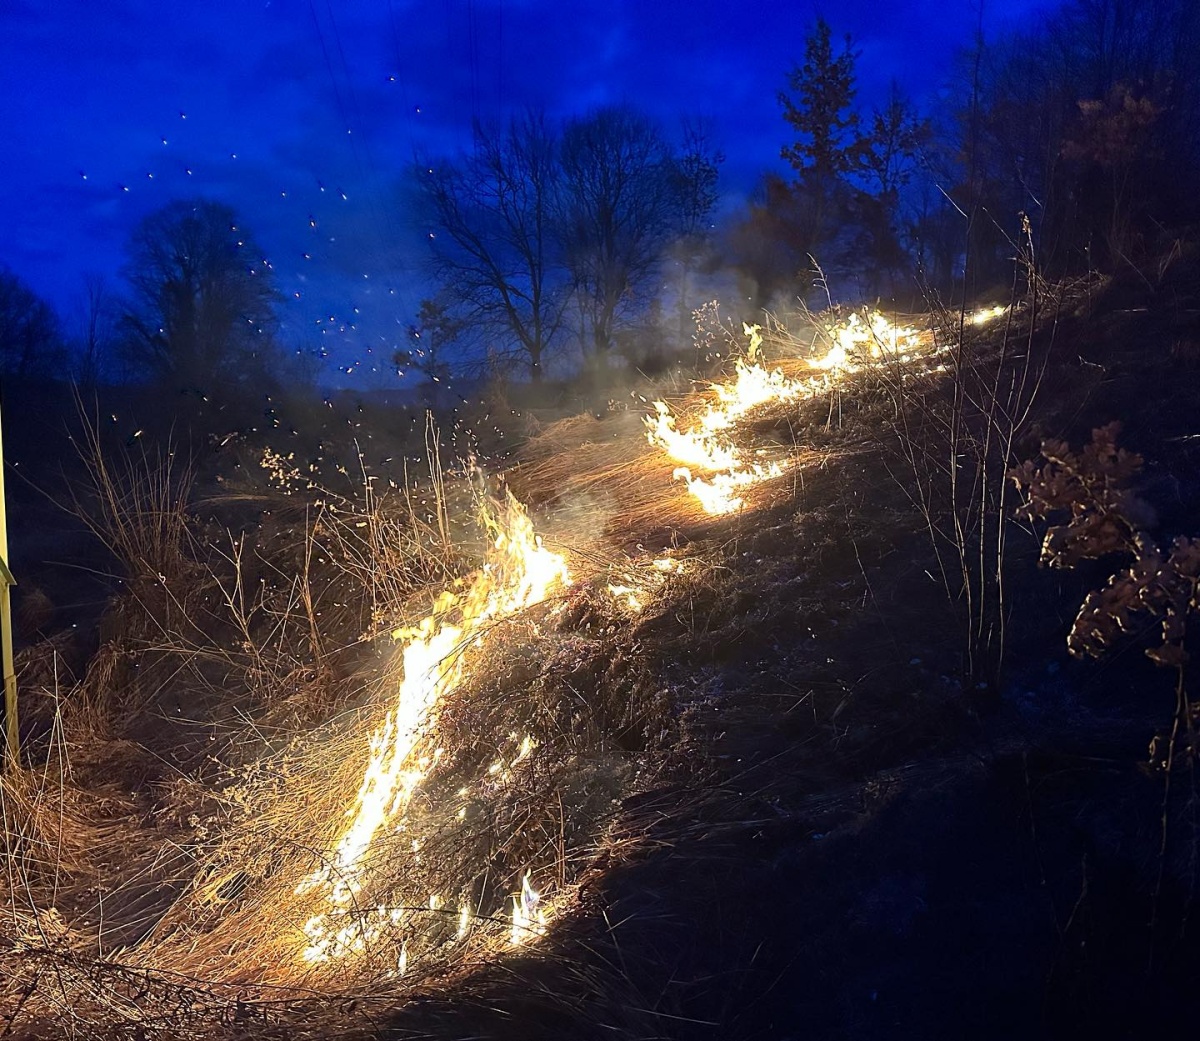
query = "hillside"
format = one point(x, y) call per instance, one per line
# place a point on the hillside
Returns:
point(788, 744)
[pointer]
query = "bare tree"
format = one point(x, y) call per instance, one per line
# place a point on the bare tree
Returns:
point(1089, 124)
point(97, 329)
point(494, 243)
point(202, 309)
point(697, 171)
point(889, 152)
point(622, 209)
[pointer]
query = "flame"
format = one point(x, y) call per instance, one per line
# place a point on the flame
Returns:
point(634, 584)
point(719, 494)
point(518, 573)
point(527, 746)
point(528, 918)
point(707, 444)
point(710, 462)
point(872, 337)
point(696, 447)
point(987, 314)
point(629, 595)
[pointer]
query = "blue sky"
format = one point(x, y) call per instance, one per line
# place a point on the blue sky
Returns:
point(304, 114)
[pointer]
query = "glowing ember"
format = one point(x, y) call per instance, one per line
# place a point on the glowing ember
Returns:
point(629, 595)
point(527, 746)
point(519, 572)
point(987, 314)
point(633, 585)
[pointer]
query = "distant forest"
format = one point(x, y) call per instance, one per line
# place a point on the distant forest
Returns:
point(588, 244)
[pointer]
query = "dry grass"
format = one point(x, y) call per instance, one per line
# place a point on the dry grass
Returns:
point(273, 627)
point(602, 476)
point(207, 898)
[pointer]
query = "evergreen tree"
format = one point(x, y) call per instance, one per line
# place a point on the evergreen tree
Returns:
point(820, 112)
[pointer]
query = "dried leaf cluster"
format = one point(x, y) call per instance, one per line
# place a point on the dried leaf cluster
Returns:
point(1104, 516)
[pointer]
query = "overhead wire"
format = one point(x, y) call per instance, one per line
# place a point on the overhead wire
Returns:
point(473, 56)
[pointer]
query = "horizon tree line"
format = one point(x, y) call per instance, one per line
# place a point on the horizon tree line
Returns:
point(596, 233)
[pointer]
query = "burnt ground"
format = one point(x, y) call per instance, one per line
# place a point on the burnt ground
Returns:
point(860, 842)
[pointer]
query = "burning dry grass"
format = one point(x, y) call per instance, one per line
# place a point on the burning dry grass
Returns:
point(494, 790)
point(512, 811)
point(726, 445)
point(600, 477)
point(549, 736)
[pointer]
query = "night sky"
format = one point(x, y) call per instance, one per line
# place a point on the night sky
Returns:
point(304, 115)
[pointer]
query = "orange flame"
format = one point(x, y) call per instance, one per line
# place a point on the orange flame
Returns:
point(707, 444)
point(528, 917)
point(518, 573)
point(711, 464)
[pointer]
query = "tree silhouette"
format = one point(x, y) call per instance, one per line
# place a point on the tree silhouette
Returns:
point(535, 219)
point(201, 313)
point(493, 244)
point(821, 112)
point(622, 209)
point(96, 330)
point(30, 340)
point(436, 329)
point(1090, 126)
point(697, 171)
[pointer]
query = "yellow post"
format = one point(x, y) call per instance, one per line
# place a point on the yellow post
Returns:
point(7, 581)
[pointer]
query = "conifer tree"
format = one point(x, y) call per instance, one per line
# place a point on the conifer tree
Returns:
point(820, 110)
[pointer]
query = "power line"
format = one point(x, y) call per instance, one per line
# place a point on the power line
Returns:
point(473, 57)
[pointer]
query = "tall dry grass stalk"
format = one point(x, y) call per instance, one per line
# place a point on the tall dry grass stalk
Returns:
point(957, 433)
point(135, 502)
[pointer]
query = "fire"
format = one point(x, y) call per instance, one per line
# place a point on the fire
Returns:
point(640, 580)
point(708, 446)
point(519, 572)
point(528, 918)
point(987, 314)
point(719, 494)
point(873, 337)
point(710, 462)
